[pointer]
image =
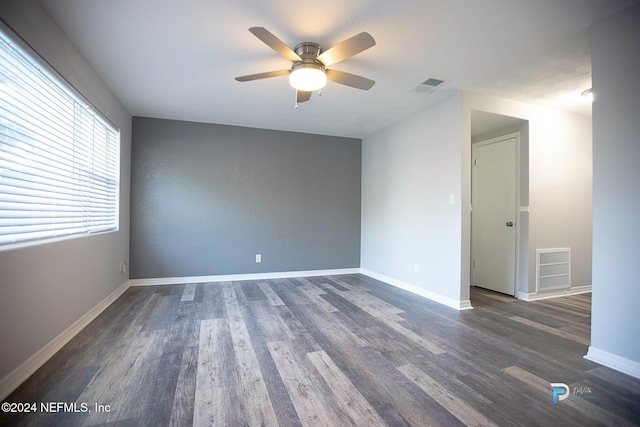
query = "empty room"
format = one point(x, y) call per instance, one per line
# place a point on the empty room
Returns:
point(296, 213)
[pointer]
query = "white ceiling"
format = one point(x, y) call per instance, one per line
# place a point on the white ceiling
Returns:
point(178, 59)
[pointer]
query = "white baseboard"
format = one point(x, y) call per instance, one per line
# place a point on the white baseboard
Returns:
point(536, 296)
point(32, 364)
point(613, 361)
point(465, 305)
point(239, 277)
point(433, 296)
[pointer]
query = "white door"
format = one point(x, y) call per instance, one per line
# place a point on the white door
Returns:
point(493, 215)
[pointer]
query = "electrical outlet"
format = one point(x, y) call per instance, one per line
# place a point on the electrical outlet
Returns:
point(123, 267)
point(258, 257)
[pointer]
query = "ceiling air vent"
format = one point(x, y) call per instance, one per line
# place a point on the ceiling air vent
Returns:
point(428, 85)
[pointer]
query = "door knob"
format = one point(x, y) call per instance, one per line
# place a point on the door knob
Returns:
point(509, 224)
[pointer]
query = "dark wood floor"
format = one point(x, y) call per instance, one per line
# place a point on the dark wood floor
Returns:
point(328, 351)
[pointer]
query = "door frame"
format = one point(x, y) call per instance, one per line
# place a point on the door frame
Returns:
point(516, 208)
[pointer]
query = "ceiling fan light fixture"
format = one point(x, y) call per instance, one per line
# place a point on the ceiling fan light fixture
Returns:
point(308, 71)
point(307, 77)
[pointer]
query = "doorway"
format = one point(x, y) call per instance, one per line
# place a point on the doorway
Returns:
point(484, 127)
point(494, 199)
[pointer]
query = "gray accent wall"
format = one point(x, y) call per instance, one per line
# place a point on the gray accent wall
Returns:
point(207, 198)
point(48, 287)
point(615, 54)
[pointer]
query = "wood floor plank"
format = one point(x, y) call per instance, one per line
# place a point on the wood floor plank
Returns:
point(346, 395)
point(303, 338)
point(609, 397)
point(214, 402)
point(554, 331)
point(256, 402)
point(630, 384)
point(269, 323)
point(290, 294)
point(264, 323)
point(338, 280)
point(336, 332)
point(445, 368)
point(465, 413)
point(212, 306)
point(181, 333)
point(311, 404)
point(420, 340)
point(189, 292)
point(321, 280)
point(369, 303)
point(132, 367)
point(315, 294)
point(162, 314)
point(398, 350)
point(252, 291)
point(381, 383)
point(499, 297)
point(182, 407)
point(305, 281)
point(352, 311)
point(273, 298)
point(386, 313)
point(391, 394)
point(579, 330)
point(562, 310)
point(576, 304)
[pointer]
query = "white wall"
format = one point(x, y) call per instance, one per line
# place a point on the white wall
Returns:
point(45, 289)
point(615, 339)
point(560, 181)
point(410, 169)
point(408, 172)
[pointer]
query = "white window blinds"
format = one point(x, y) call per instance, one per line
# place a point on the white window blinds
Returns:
point(59, 160)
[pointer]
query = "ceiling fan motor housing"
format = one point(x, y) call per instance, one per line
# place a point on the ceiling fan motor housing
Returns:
point(308, 52)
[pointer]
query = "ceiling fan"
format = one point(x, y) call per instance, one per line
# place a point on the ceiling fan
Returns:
point(309, 69)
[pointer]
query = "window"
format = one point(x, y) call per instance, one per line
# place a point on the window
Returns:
point(59, 159)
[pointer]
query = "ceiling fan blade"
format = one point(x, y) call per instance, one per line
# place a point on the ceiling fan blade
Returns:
point(349, 79)
point(347, 49)
point(266, 75)
point(275, 43)
point(302, 95)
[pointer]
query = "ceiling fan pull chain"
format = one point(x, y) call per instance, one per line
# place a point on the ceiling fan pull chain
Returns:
point(320, 92)
point(295, 102)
